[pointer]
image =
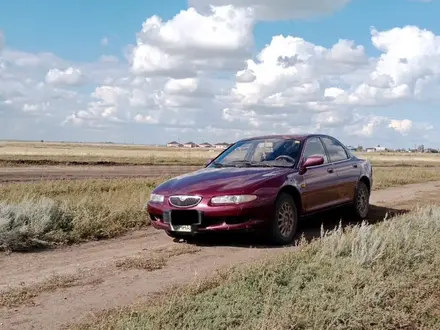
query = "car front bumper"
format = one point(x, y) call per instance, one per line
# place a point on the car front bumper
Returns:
point(242, 217)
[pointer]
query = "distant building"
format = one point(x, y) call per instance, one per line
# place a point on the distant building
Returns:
point(174, 144)
point(190, 145)
point(205, 145)
point(376, 149)
point(222, 145)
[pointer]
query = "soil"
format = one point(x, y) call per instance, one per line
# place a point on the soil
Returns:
point(38, 173)
point(112, 287)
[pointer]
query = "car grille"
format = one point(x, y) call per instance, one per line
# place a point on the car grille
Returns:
point(185, 201)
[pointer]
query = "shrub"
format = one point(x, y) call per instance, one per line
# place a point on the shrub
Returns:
point(33, 223)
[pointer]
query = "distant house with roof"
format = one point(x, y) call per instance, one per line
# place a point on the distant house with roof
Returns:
point(205, 145)
point(174, 144)
point(189, 145)
point(222, 145)
point(376, 149)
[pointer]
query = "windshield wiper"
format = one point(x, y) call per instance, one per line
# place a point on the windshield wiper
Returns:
point(217, 164)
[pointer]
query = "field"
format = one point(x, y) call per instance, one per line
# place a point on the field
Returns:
point(46, 153)
point(64, 194)
point(25, 153)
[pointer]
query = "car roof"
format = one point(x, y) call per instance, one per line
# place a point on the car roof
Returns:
point(298, 137)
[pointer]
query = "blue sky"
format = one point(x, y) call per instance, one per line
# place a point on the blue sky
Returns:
point(73, 31)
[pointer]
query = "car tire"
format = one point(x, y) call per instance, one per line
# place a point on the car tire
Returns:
point(361, 202)
point(285, 221)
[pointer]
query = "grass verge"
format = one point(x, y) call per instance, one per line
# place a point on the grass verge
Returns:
point(384, 276)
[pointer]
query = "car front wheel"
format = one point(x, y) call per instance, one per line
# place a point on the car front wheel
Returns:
point(285, 222)
point(361, 203)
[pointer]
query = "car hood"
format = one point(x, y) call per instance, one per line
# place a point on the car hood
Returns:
point(209, 181)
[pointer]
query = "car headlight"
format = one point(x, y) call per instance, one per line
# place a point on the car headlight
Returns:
point(156, 198)
point(233, 199)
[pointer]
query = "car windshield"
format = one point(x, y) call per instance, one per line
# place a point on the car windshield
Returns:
point(260, 152)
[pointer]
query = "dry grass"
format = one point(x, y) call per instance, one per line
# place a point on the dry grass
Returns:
point(59, 212)
point(16, 153)
point(384, 276)
point(385, 177)
point(148, 263)
point(157, 259)
point(56, 153)
point(14, 297)
point(48, 213)
point(401, 159)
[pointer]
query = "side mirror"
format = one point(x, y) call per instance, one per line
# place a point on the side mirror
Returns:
point(309, 162)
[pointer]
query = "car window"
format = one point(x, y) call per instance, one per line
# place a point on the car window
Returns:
point(238, 153)
point(314, 147)
point(288, 147)
point(335, 150)
point(261, 151)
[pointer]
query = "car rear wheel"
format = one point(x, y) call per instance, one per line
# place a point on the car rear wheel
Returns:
point(361, 203)
point(285, 222)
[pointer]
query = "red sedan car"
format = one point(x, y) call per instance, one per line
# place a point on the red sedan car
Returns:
point(264, 183)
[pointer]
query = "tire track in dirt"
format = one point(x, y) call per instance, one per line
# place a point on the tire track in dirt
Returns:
point(118, 287)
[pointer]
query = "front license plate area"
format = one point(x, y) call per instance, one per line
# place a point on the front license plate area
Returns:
point(184, 220)
point(182, 228)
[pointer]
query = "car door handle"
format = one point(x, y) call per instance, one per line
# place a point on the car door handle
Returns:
point(355, 165)
point(330, 170)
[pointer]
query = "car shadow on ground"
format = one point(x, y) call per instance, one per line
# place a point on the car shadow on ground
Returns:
point(309, 227)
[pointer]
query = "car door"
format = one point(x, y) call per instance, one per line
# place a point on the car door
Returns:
point(345, 168)
point(319, 181)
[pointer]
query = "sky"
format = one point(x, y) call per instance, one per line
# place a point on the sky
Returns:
point(364, 71)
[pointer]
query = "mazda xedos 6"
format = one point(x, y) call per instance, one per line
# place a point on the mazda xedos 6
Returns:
point(264, 183)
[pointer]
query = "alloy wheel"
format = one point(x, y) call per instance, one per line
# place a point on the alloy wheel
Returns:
point(362, 200)
point(286, 219)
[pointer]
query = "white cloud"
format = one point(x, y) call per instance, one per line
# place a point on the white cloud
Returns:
point(69, 76)
point(313, 88)
point(279, 9)
point(291, 71)
point(402, 126)
point(191, 41)
point(199, 76)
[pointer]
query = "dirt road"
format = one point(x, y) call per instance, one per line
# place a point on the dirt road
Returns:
point(102, 285)
point(38, 173)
